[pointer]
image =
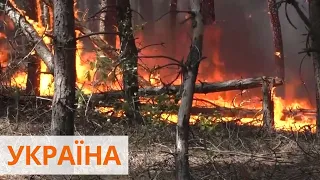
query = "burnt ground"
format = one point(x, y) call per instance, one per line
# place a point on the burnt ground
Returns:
point(226, 151)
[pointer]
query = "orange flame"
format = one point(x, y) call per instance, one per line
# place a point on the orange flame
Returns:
point(85, 80)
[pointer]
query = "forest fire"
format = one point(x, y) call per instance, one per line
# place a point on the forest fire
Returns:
point(86, 81)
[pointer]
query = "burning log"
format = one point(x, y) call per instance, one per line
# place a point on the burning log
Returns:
point(239, 84)
point(29, 31)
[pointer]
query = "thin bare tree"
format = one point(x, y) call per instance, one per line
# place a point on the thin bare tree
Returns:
point(190, 73)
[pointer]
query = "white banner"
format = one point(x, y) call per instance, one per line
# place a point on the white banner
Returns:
point(64, 155)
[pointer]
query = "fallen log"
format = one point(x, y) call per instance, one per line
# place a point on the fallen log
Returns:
point(239, 84)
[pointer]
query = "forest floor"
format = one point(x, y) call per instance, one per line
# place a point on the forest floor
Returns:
point(228, 151)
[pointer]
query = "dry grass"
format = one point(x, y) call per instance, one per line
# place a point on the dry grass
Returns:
point(227, 152)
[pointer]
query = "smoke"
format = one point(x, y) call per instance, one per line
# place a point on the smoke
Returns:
point(238, 45)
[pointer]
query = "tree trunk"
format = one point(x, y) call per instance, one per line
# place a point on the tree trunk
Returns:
point(110, 22)
point(189, 79)
point(129, 61)
point(268, 106)
point(314, 13)
point(103, 16)
point(33, 77)
point(63, 103)
point(45, 16)
point(277, 38)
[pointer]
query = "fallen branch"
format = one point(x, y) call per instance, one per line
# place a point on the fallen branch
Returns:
point(239, 84)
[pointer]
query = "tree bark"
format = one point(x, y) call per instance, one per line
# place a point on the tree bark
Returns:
point(129, 61)
point(277, 38)
point(33, 77)
point(45, 16)
point(63, 103)
point(189, 79)
point(314, 14)
point(268, 106)
point(103, 16)
point(110, 22)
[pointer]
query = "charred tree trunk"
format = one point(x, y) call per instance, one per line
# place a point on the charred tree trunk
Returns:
point(189, 79)
point(314, 10)
point(45, 16)
point(268, 106)
point(110, 22)
point(33, 77)
point(63, 103)
point(129, 61)
point(277, 38)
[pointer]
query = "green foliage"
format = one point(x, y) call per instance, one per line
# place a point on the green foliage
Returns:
point(162, 104)
point(125, 106)
point(104, 67)
point(80, 96)
point(206, 123)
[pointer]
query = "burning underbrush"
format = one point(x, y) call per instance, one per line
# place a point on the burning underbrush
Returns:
point(96, 75)
point(224, 150)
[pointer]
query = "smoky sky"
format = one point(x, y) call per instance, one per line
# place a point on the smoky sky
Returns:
point(241, 38)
